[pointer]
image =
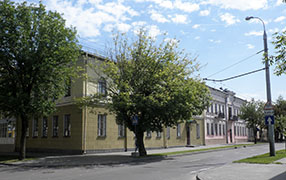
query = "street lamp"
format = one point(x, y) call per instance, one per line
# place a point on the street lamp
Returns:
point(268, 90)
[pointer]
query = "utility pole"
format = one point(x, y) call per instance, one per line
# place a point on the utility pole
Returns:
point(268, 107)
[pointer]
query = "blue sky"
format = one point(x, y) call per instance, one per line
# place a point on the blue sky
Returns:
point(213, 30)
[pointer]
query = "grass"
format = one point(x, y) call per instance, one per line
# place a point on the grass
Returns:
point(13, 158)
point(264, 158)
point(199, 150)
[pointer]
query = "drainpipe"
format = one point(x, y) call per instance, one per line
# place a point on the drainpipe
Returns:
point(85, 108)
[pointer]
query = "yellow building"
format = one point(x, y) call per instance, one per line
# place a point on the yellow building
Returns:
point(72, 129)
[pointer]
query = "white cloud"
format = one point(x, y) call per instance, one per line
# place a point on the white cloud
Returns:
point(215, 41)
point(254, 33)
point(196, 26)
point(250, 46)
point(279, 19)
point(204, 13)
point(88, 16)
point(155, 16)
point(279, 2)
point(123, 27)
point(186, 6)
point(242, 5)
point(213, 30)
point(154, 31)
point(229, 19)
point(197, 37)
point(179, 18)
point(166, 4)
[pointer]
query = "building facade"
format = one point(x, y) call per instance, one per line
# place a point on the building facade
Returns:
point(74, 129)
point(222, 122)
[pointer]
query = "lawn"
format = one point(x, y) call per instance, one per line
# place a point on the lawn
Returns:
point(12, 158)
point(264, 158)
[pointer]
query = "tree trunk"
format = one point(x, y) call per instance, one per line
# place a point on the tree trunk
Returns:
point(255, 135)
point(140, 143)
point(22, 152)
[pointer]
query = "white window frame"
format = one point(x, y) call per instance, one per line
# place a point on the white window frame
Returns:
point(67, 125)
point(101, 125)
point(148, 134)
point(121, 130)
point(55, 126)
point(44, 127)
point(35, 127)
point(101, 89)
point(178, 130)
point(198, 130)
point(168, 133)
point(158, 134)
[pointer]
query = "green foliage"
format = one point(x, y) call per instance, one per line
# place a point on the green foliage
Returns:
point(279, 59)
point(280, 117)
point(152, 81)
point(252, 112)
point(37, 58)
point(37, 55)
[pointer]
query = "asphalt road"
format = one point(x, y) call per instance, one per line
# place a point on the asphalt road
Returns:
point(169, 168)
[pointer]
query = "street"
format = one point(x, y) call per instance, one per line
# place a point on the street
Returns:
point(173, 167)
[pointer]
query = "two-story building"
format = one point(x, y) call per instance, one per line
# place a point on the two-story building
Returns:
point(74, 129)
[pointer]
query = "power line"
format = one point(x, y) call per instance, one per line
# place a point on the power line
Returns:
point(233, 77)
point(235, 63)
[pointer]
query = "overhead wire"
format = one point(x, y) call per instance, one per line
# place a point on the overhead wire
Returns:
point(235, 63)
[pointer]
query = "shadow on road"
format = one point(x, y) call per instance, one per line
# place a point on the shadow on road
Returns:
point(281, 176)
point(82, 161)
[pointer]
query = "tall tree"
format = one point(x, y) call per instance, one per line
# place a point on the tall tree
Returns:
point(253, 113)
point(37, 58)
point(151, 82)
point(279, 41)
point(280, 118)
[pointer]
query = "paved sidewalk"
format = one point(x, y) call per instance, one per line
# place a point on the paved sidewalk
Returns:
point(243, 171)
point(111, 158)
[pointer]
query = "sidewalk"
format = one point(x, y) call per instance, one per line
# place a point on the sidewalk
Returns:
point(111, 158)
point(242, 171)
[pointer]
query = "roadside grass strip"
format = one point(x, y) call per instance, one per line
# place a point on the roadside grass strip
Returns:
point(198, 150)
point(13, 158)
point(264, 158)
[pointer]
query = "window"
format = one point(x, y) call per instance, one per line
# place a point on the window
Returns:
point(235, 130)
point(28, 131)
point(101, 125)
point(215, 108)
point(158, 134)
point(55, 126)
point(121, 130)
point(35, 127)
point(168, 134)
point(178, 130)
point(67, 125)
point(45, 127)
point(219, 108)
point(198, 131)
point(148, 134)
point(3, 130)
point(208, 129)
point(212, 129)
point(216, 129)
point(212, 108)
point(223, 109)
point(223, 129)
point(102, 87)
point(219, 128)
point(68, 88)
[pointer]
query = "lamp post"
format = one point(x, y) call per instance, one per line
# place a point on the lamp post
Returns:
point(268, 90)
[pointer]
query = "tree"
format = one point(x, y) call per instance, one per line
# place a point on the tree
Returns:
point(280, 47)
point(38, 55)
point(150, 82)
point(252, 112)
point(280, 118)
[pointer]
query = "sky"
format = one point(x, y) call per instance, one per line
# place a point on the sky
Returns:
point(214, 31)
